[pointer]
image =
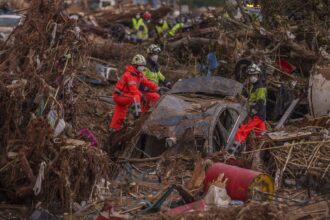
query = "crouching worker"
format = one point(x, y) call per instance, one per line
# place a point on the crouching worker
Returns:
point(257, 108)
point(127, 92)
point(152, 70)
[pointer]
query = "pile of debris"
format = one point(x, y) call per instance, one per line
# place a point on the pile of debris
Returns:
point(38, 67)
point(286, 45)
point(54, 108)
point(301, 154)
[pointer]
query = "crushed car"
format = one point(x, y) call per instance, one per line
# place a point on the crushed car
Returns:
point(198, 113)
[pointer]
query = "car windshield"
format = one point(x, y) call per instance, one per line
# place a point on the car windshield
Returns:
point(9, 21)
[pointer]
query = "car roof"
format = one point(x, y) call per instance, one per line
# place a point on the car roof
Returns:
point(214, 86)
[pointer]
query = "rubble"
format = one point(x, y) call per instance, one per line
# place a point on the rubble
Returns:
point(37, 77)
point(300, 153)
point(57, 75)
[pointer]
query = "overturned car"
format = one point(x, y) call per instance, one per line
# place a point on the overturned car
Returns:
point(198, 113)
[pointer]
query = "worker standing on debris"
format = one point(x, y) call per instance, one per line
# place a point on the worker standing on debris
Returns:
point(257, 108)
point(127, 92)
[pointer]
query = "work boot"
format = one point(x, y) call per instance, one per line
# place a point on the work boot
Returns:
point(235, 148)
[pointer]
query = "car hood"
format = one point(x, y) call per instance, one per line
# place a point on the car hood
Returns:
point(184, 116)
point(191, 106)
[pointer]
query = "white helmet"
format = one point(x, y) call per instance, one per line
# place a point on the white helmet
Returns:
point(253, 69)
point(139, 60)
point(153, 49)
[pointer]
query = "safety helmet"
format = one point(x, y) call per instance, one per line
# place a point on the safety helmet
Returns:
point(153, 49)
point(139, 60)
point(147, 16)
point(253, 69)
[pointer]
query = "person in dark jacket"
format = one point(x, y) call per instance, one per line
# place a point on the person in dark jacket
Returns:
point(257, 95)
point(152, 70)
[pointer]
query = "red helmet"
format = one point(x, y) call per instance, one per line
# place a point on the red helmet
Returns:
point(147, 16)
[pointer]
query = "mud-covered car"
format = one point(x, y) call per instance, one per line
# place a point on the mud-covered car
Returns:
point(197, 113)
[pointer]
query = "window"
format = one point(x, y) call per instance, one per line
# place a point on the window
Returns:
point(228, 118)
point(223, 128)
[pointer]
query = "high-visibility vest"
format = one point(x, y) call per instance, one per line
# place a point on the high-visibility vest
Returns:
point(136, 22)
point(155, 77)
point(257, 94)
point(175, 28)
point(142, 31)
point(258, 97)
point(162, 28)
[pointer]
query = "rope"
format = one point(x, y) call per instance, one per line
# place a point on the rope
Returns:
point(41, 176)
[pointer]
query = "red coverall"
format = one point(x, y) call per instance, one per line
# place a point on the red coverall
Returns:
point(255, 123)
point(257, 106)
point(127, 92)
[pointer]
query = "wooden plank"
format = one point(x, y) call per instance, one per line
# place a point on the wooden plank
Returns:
point(286, 136)
point(320, 209)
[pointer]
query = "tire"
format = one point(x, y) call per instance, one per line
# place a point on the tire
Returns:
point(240, 70)
point(117, 32)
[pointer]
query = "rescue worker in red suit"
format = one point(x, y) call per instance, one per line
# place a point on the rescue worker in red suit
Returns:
point(127, 92)
point(257, 108)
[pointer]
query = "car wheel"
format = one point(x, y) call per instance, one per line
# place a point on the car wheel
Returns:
point(219, 138)
point(118, 32)
point(240, 70)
